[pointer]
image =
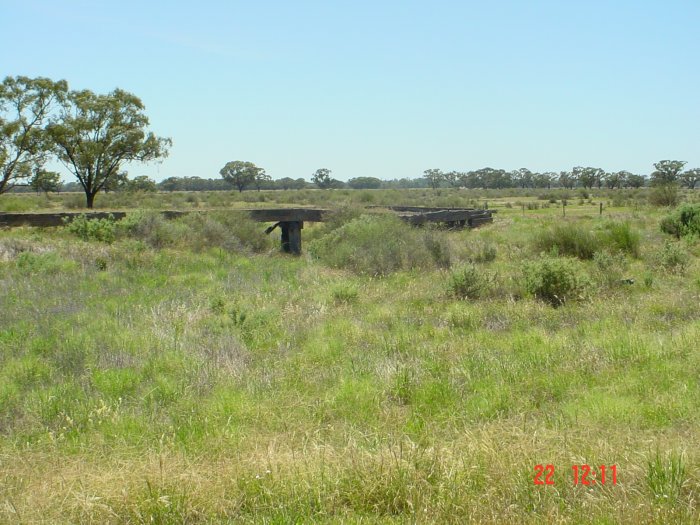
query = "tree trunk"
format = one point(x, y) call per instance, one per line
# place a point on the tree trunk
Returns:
point(90, 200)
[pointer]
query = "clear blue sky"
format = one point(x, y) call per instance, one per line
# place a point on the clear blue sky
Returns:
point(384, 89)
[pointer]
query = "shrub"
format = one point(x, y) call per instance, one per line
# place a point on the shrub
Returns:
point(197, 231)
point(374, 245)
point(103, 230)
point(203, 232)
point(620, 236)
point(439, 247)
point(684, 221)
point(151, 228)
point(664, 195)
point(344, 294)
point(48, 263)
point(250, 234)
point(568, 239)
point(468, 283)
point(482, 252)
point(610, 266)
point(555, 280)
point(673, 257)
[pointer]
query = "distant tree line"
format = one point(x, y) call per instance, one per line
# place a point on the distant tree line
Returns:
point(241, 176)
point(665, 172)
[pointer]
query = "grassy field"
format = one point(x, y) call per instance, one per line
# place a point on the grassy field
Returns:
point(187, 372)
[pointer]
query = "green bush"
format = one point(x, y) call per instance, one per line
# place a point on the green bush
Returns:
point(344, 294)
point(250, 234)
point(229, 231)
point(664, 195)
point(468, 283)
point(620, 236)
point(555, 280)
point(672, 257)
point(151, 228)
point(49, 263)
point(438, 246)
point(103, 230)
point(481, 252)
point(568, 239)
point(684, 221)
point(376, 245)
point(610, 266)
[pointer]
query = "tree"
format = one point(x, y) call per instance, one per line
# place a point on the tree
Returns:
point(544, 180)
point(452, 178)
point(522, 177)
point(636, 181)
point(142, 183)
point(589, 177)
point(322, 178)
point(118, 182)
point(25, 107)
point(45, 181)
point(96, 134)
point(365, 183)
point(690, 178)
point(170, 184)
point(567, 180)
point(434, 177)
point(261, 179)
point(667, 172)
point(240, 173)
point(617, 179)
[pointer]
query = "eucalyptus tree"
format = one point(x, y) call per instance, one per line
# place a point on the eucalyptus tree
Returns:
point(95, 135)
point(434, 177)
point(589, 177)
point(240, 173)
point(567, 179)
point(667, 172)
point(635, 181)
point(322, 178)
point(45, 181)
point(261, 179)
point(690, 178)
point(25, 107)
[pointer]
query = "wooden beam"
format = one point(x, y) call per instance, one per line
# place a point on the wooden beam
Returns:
point(287, 214)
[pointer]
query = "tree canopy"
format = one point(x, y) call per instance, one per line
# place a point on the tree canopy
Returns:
point(322, 178)
point(25, 107)
point(240, 173)
point(667, 172)
point(96, 134)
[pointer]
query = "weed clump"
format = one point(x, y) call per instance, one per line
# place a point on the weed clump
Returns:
point(103, 230)
point(620, 236)
point(568, 239)
point(344, 294)
point(672, 257)
point(380, 245)
point(482, 252)
point(664, 195)
point(684, 221)
point(555, 280)
point(468, 283)
point(196, 231)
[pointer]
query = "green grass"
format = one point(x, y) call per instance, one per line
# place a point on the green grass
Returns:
point(197, 380)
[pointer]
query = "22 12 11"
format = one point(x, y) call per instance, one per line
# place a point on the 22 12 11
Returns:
point(582, 474)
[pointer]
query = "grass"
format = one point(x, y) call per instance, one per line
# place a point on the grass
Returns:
point(184, 382)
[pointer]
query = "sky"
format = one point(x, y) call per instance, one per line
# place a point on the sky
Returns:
point(382, 89)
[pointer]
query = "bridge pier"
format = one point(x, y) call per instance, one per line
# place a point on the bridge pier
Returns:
point(291, 236)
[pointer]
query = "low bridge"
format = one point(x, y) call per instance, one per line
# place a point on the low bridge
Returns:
point(289, 220)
